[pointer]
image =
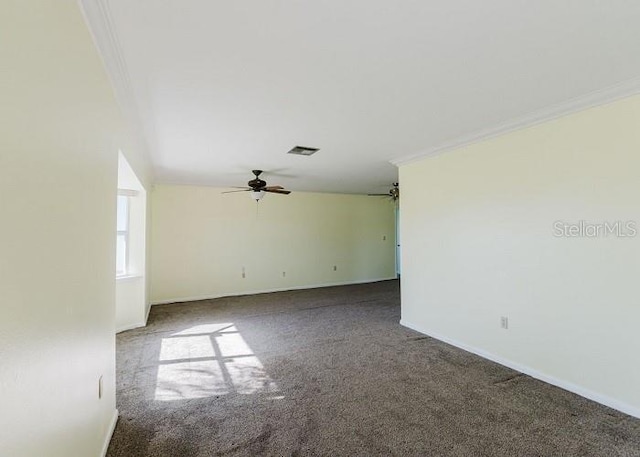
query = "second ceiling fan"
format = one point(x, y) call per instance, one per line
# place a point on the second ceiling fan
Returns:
point(258, 187)
point(394, 193)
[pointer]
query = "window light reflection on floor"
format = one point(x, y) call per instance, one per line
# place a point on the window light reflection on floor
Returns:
point(208, 360)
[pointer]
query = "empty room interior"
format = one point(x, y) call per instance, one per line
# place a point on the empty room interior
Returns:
point(319, 228)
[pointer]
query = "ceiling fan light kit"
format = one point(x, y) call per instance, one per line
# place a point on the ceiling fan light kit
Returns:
point(257, 194)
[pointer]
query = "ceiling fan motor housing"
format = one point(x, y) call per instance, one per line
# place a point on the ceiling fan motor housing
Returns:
point(257, 183)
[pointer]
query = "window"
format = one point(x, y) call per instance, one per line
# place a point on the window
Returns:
point(122, 243)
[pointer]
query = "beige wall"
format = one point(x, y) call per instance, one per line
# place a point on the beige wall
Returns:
point(202, 239)
point(60, 131)
point(478, 243)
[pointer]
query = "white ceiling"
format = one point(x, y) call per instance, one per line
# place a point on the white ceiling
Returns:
point(223, 87)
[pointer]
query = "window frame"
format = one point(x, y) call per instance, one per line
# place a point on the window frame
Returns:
point(125, 233)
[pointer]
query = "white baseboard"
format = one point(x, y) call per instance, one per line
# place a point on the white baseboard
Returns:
point(265, 291)
point(130, 326)
point(112, 428)
point(136, 324)
point(579, 390)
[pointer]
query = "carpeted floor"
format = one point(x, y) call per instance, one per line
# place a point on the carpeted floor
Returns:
point(331, 372)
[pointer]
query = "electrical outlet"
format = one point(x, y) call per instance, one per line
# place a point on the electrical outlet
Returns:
point(504, 322)
point(335, 268)
point(99, 387)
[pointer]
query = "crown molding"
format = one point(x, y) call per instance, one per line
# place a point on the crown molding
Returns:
point(97, 15)
point(596, 98)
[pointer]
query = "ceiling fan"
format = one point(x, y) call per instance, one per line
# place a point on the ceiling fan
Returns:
point(258, 187)
point(394, 193)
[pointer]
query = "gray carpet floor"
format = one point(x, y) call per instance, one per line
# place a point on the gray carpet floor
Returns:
point(331, 372)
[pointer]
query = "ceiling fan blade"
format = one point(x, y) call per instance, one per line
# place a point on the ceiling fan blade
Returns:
point(277, 191)
point(231, 191)
point(273, 187)
point(378, 195)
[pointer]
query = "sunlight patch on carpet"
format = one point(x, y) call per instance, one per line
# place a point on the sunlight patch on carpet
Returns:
point(209, 360)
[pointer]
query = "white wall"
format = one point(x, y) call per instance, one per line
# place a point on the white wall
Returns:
point(202, 239)
point(60, 131)
point(131, 303)
point(478, 244)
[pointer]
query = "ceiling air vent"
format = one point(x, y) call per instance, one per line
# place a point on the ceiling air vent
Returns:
point(303, 151)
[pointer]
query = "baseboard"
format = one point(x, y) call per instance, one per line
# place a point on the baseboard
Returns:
point(579, 390)
point(266, 291)
point(124, 328)
point(136, 324)
point(112, 428)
